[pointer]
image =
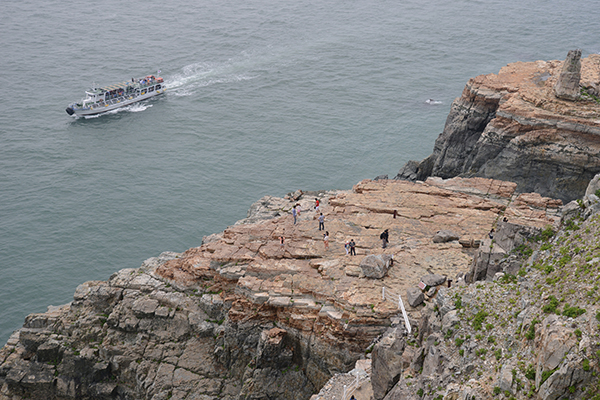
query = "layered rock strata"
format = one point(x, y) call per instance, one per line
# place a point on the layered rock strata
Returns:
point(245, 316)
point(512, 126)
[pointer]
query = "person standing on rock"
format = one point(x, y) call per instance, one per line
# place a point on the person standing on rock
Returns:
point(352, 247)
point(298, 208)
point(384, 238)
point(317, 205)
point(347, 247)
point(281, 241)
point(294, 213)
point(321, 222)
point(326, 240)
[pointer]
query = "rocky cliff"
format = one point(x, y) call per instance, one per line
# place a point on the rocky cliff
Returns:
point(245, 316)
point(536, 124)
point(499, 282)
point(527, 328)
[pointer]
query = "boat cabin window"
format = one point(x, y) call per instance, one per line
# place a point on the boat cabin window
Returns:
point(151, 89)
point(157, 87)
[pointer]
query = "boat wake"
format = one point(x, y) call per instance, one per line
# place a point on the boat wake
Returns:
point(136, 107)
point(432, 101)
point(199, 75)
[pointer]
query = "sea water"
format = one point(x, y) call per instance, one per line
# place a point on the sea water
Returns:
point(264, 98)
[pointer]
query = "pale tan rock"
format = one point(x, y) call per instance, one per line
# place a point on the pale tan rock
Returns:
point(554, 341)
point(300, 274)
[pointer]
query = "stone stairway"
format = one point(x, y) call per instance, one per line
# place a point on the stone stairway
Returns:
point(356, 381)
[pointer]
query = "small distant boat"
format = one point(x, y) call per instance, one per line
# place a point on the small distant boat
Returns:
point(102, 99)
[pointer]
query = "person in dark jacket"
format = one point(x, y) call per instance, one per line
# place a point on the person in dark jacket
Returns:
point(384, 238)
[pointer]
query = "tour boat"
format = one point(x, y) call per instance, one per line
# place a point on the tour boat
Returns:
point(103, 99)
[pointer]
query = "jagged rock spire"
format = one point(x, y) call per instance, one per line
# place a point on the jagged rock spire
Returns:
point(567, 85)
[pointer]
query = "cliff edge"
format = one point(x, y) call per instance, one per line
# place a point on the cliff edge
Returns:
point(245, 316)
point(534, 123)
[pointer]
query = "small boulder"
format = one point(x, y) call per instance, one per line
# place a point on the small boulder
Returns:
point(505, 378)
point(444, 236)
point(433, 279)
point(431, 292)
point(591, 210)
point(415, 297)
point(295, 196)
point(554, 341)
point(144, 307)
point(376, 266)
point(49, 351)
point(569, 211)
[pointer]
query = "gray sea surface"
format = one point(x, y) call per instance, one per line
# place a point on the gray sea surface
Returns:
point(264, 97)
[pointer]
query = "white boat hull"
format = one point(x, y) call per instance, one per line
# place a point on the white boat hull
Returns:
point(111, 104)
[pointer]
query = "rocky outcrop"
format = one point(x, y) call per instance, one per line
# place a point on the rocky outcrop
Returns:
point(567, 84)
point(497, 255)
point(511, 126)
point(244, 317)
point(387, 361)
point(521, 335)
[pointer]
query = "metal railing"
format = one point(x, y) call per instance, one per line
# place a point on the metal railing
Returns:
point(387, 294)
point(350, 389)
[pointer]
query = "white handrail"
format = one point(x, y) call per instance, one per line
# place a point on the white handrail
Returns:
point(404, 314)
point(349, 391)
point(396, 298)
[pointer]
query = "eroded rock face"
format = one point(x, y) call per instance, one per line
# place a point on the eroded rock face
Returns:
point(388, 361)
point(511, 126)
point(555, 340)
point(493, 256)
